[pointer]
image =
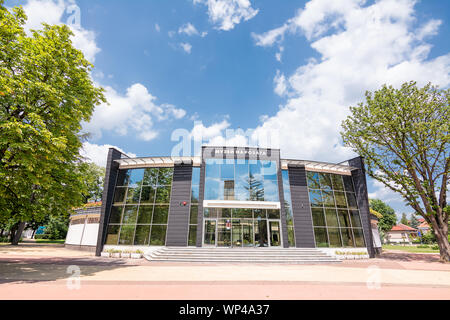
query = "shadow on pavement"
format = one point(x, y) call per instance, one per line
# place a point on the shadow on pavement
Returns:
point(410, 257)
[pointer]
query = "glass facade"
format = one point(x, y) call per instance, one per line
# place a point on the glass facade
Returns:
point(193, 213)
point(225, 227)
point(335, 214)
point(243, 180)
point(288, 208)
point(140, 209)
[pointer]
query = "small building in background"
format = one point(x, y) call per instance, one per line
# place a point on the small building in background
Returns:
point(423, 227)
point(401, 234)
point(83, 228)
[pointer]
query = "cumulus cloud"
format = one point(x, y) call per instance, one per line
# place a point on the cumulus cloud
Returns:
point(135, 112)
point(360, 48)
point(187, 47)
point(226, 14)
point(62, 12)
point(188, 29)
point(98, 153)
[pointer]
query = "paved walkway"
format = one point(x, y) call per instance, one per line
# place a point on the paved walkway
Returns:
point(43, 273)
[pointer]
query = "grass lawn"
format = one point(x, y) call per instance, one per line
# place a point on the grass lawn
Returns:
point(50, 241)
point(409, 248)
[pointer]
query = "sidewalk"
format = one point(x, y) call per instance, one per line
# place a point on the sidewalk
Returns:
point(43, 274)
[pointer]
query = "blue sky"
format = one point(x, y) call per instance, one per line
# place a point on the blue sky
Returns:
point(286, 69)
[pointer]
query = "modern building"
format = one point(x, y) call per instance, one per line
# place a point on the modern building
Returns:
point(234, 197)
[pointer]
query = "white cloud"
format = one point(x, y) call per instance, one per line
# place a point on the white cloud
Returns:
point(157, 27)
point(202, 133)
point(226, 14)
point(360, 48)
point(188, 29)
point(134, 112)
point(187, 47)
point(98, 153)
point(62, 12)
point(280, 84)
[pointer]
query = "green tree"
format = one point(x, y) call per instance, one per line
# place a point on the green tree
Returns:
point(389, 219)
point(45, 93)
point(404, 220)
point(92, 176)
point(57, 227)
point(414, 222)
point(403, 134)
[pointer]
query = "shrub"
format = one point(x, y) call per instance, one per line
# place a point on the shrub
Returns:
point(4, 240)
point(435, 247)
point(423, 246)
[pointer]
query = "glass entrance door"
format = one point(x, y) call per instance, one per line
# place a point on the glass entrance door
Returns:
point(261, 239)
point(274, 233)
point(210, 232)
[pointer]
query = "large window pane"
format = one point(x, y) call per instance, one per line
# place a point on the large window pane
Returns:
point(160, 214)
point(331, 218)
point(150, 177)
point(119, 195)
point(136, 176)
point(112, 236)
point(340, 199)
point(337, 182)
point(133, 195)
point(271, 190)
point(344, 219)
point(223, 213)
point(116, 214)
point(227, 172)
point(291, 236)
point(145, 214)
point(212, 169)
point(347, 237)
point(148, 195)
point(242, 187)
point(259, 213)
point(247, 233)
point(129, 215)
point(321, 237)
point(127, 234)
point(163, 194)
point(256, 189)
point(351, 200)
point(273, 214)
point(123, 178)
point(165, 176)
point(195, 194)
point(224, 233)
point(195, 176)
point(348, 183)
point(142, 237)
point(210, 213)
point(325, 181)
point(228, 190)
point(356, 219)
point(313, 180)
point(236, 233)
point(194, 215)
point(192, 236)
point(335, 237)
point(158, 235)
point(269, 169)
point(359, 237)
point(242, 213)
point(318, 217)
point(328, 198)
point(315, 198)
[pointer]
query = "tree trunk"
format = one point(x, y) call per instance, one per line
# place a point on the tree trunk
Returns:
point(1, 232)
point(441, 233)
point(15, 240)
point(32, 235)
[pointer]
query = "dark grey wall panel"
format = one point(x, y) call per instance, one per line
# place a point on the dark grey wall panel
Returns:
point(360, 183)
point(178, 225)
point(112, 168)
point(301, 210)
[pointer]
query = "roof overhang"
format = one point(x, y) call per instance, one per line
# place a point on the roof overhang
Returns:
point(319, 166)
point(157, 162)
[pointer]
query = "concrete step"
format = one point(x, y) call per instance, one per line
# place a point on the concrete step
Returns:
point(241, 255)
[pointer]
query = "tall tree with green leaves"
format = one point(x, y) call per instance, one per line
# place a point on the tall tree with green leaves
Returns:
point(403, 134)
point(45, 93)
point(93, 176)
point(389, 219)
point(414, 222)
point(404, 220)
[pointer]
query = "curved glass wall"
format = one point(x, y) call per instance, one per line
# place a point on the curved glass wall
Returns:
point(195, 191)
point(242, 180)
point(335, 214)
point(140, 209)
